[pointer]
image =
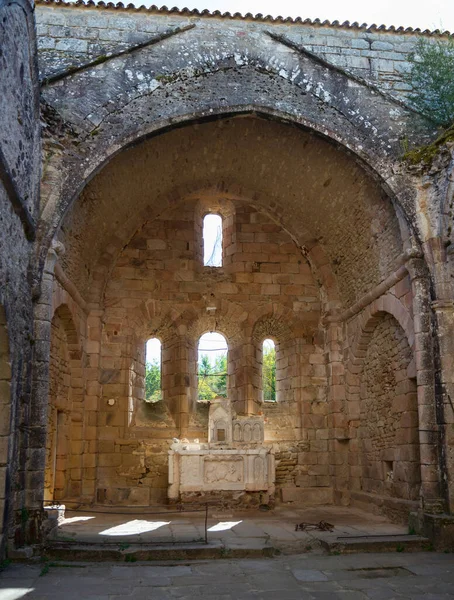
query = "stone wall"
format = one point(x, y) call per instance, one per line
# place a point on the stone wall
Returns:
point(298, 178)
point(134, 251)
point(71, 36)
point(388, 435)
point(58, 413)
point(160, 288)
point(19, 184)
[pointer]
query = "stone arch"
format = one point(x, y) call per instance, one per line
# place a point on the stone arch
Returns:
point(367, 322)
point(386, 444)
point(278, 323)
point(152, 319)
point(67, 319)
point(326, 116)
point(227, 319)
point(65, 411)
point(371, 316)
point(215, 205)
point(149, 319)
point(5, 421)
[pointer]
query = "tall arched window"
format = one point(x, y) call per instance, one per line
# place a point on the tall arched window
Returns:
point(269, 370)
point(212, 241)
point(212, 366)
point(153, 363)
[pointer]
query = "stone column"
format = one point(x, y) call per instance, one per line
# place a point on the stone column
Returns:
point(429, 440)
point(181, 389)
point(444, 312)
point(92, 404)
point(37, 427)
point(338, 414)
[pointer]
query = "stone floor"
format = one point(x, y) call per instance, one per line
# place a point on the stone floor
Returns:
point(415, 576)
point(232, 529)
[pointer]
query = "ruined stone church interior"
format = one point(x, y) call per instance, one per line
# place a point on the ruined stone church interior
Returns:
point(223, 287)
point(134, 251)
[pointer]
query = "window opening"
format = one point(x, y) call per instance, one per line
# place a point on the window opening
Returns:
point(212, 241)
point(388, 467)
point(269, 371)
point(153, 360)
point(212, 366)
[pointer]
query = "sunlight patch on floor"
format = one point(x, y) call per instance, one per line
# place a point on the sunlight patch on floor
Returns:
point(134, 527)
point(14, 593)
point(224, 525)
point(75, 519)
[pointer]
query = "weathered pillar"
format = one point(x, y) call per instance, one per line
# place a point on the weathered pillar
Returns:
point(429, 440)
point(443, 307)
point(37, 426)
point(181, 388)
point(92, 404)
point(241, 369)
point(338, 415)
point(444, 312)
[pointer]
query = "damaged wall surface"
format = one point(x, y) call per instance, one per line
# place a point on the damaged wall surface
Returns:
point(333, 246)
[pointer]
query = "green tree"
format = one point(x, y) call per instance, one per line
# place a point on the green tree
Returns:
point(269, 374)
point(153, 381)
point(212, 378)
point(220, 381)
point(432, 79)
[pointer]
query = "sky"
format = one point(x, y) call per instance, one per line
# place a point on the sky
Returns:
point(433, 14)
point(212, 227)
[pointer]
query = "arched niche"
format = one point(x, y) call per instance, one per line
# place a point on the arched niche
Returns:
point(65, 444)
point(386, 446)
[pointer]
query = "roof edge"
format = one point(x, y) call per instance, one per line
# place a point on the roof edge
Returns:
point(186, 12)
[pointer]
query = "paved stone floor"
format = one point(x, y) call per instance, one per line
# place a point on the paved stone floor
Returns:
point(414, 576)
point(230, 528)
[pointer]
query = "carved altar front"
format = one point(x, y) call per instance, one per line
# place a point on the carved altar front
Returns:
point(234, 459)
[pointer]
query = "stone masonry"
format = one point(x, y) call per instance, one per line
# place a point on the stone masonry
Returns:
point(333, 246)
point(20, 444)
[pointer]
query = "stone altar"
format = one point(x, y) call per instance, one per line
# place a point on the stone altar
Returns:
point(234, 459)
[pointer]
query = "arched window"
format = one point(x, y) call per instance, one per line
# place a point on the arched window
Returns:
point(269, 370)
point(212, 366)
point(212, 241)
point(153, 361)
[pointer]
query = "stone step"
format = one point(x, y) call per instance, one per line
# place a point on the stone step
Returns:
point(79, 551)
point(379, 543)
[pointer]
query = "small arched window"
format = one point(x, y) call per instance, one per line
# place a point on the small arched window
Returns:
point(153, 364)
point(212, 241)
point(212, 366)
point(269, 370)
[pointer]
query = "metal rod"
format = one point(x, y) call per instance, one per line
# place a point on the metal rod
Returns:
point(378, 535)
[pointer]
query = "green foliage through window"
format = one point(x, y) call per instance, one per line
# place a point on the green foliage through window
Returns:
point(153, 391)
point(269, 371)
point(212, 377)
point(212, 366)
point(432, 79)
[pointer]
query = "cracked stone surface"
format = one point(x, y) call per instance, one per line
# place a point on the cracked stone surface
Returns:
point(428, 576)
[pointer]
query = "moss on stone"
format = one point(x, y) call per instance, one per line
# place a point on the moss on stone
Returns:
point(426, 154)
